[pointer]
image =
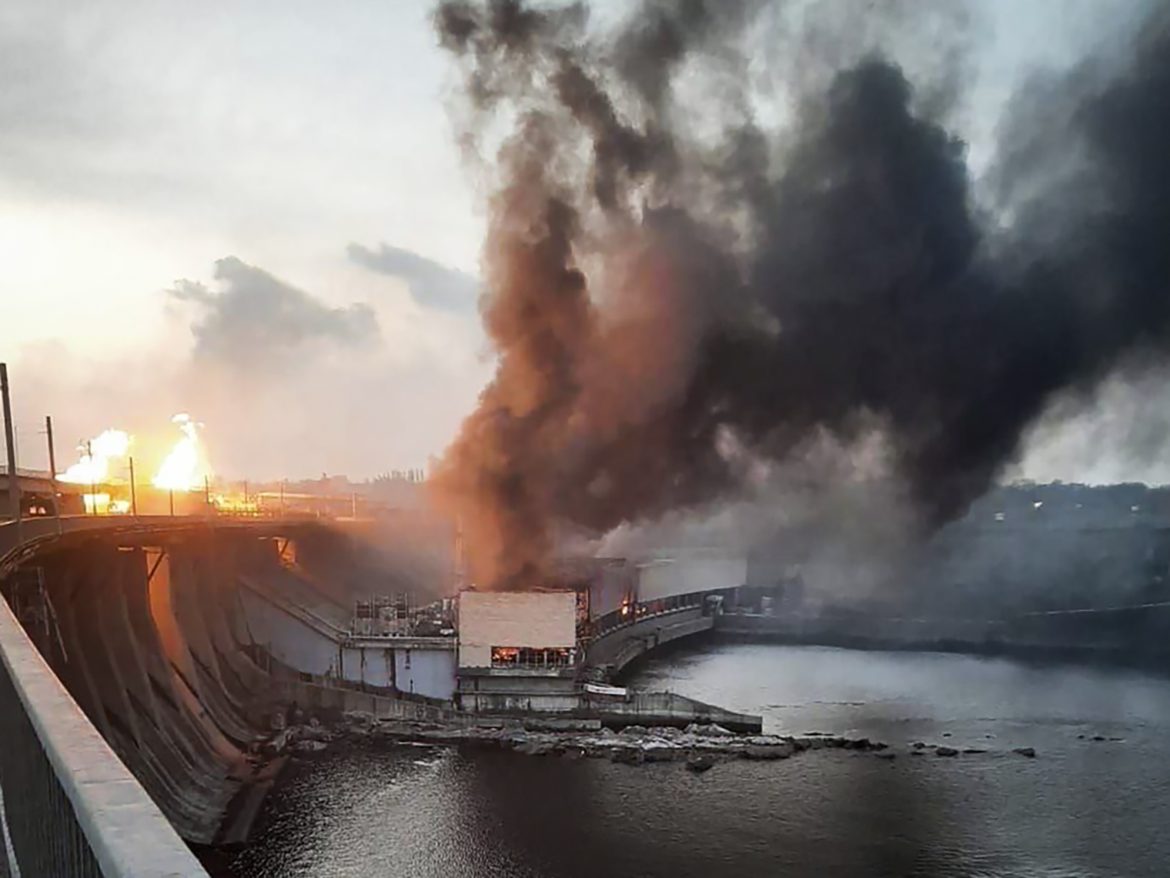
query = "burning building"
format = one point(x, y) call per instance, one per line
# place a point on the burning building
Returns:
point(529, 650)
point(518, 650)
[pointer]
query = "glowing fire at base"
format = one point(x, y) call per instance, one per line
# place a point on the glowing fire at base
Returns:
point(105, 464)
point(184, 468)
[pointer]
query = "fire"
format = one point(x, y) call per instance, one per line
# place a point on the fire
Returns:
point(184, 468)
point(103, 504)
point(96, 454)
point(105, 461)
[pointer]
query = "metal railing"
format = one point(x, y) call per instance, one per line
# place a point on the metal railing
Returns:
point(68, 806)
point(632, 614)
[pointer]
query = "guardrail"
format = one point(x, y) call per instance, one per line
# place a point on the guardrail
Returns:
point(632, 614)
point(620, 645)
point(68, 806)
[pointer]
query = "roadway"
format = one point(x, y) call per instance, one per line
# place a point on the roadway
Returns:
point(19, 541)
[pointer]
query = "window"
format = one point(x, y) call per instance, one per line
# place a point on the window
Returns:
point(526, 657)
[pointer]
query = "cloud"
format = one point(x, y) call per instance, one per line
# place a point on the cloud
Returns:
point(287, 383)
point(256, 319)
point(431, 283)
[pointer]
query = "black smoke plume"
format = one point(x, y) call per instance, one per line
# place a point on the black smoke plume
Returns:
point(677, 290)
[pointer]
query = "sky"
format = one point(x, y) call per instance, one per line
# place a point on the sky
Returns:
point(257, 213)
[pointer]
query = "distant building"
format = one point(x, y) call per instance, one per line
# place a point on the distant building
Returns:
point(37, 495)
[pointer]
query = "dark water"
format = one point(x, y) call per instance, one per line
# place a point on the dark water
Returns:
point(1081, 808)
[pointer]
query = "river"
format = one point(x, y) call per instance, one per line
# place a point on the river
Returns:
point(1080, 808)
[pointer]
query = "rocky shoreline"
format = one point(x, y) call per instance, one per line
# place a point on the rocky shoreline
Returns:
point(699, 746)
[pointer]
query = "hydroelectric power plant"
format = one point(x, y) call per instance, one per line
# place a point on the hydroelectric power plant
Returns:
point(159, 669)
point(756, 413)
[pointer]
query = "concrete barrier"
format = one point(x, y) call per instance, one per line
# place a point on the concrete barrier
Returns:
point(68, 806)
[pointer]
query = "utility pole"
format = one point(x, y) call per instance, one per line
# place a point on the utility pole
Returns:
point(133, 491)
point(207, 493)
point(53, 471)
point(171, 494)
point(10, 446)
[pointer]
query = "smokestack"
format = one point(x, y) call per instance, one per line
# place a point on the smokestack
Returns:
point(674, 307)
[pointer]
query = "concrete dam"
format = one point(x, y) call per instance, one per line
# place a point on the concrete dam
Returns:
point(149, 664)
point(185, 645)
point(171, 641)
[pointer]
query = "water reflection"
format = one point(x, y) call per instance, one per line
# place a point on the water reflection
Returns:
point(1080, 808)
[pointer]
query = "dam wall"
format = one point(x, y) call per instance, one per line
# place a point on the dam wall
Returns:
point(148, 640)
point(182, 642)
point(68, 805)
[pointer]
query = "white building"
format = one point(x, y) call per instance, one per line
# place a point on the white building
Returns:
point(517, 650)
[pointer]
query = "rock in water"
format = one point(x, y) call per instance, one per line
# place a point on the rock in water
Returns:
point(709, 730)
point(537, 748)
point(700, 762)
point(628, 756)
point(1030, 752)
point(658, 753)
point(946, 751)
